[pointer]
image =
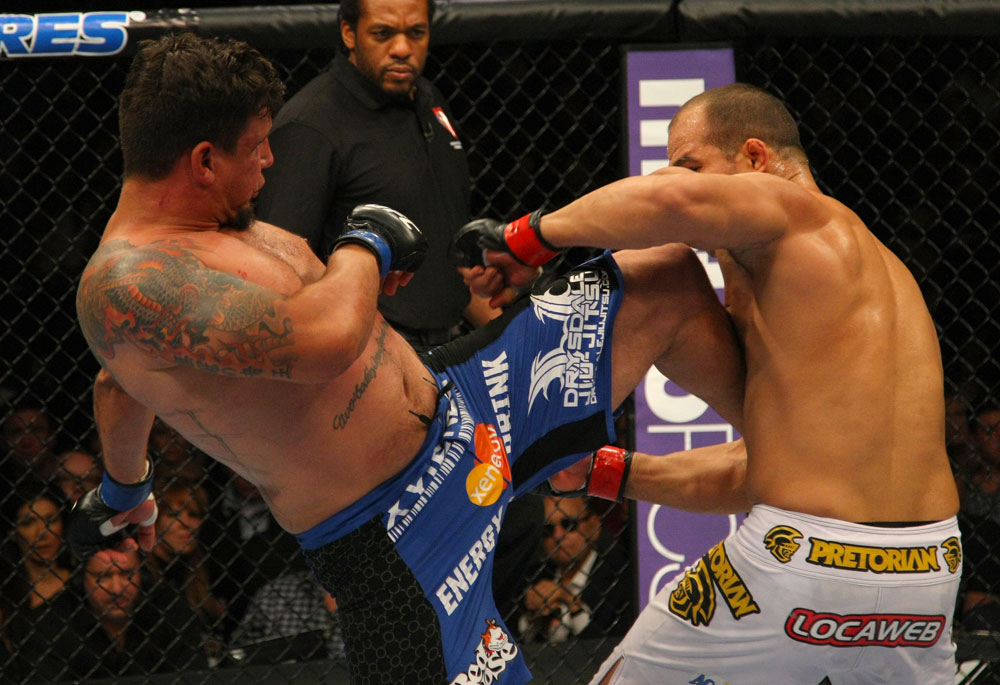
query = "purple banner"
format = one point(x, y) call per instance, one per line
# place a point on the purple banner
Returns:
point(667, 418)
point(658, 82)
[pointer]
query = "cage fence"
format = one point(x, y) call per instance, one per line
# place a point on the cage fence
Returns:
point(903, 128)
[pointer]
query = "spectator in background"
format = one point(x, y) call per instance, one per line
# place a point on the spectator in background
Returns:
point(36, 573)
point(372, 129)
point(583, 589)
point(517, 553)
point(78, 472)
point(291, 605)
point(986, 437)
point(30, 444)
point(178, 559)
point(959, 440)
point(246, 546)
point(124, 626)
point(980, 521)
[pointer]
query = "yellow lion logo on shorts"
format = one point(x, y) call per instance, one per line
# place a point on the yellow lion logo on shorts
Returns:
point(951, 549)
point(694, 597)
point(781, 542)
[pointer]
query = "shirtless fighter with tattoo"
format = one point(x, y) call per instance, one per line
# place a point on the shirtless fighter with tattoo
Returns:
point(849, 563)
point(394, 470)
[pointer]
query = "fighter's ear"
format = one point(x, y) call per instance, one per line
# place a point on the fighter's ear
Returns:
point(347, 35)
point(202, 163)
point(757, 154)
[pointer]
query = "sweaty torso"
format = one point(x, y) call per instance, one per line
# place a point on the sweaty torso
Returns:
point(310, 448)
point(843, 413)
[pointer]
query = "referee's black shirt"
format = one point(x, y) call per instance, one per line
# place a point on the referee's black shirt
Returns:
point(340, 142)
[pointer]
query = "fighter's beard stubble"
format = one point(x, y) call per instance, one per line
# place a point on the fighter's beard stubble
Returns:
point(243, 219)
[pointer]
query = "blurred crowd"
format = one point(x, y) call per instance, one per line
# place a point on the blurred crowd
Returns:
point(224, 585)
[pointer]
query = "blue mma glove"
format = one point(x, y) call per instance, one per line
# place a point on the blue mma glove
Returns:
point(396, 242)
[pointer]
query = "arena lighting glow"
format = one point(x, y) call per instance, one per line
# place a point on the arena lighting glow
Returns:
point(65, 33)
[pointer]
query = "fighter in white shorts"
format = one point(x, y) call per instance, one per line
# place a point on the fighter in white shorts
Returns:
point(793, 598)
point(842, 413)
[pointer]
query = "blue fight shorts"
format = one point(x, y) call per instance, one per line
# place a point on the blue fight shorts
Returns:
point(411, 563)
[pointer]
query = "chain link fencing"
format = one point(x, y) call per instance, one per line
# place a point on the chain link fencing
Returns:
point(904, 129)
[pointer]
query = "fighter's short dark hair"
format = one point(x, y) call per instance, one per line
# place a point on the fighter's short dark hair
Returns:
point(182, 89)
point(740, 111)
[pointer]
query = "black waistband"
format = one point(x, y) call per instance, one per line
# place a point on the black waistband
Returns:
point(896, 524)
point(425, 338)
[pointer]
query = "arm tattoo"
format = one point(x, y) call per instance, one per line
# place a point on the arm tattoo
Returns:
point(340, 420)
point(164, 301)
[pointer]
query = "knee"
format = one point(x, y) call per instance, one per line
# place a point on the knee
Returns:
point(673, 270)
point(671, 256)
point(682, 264)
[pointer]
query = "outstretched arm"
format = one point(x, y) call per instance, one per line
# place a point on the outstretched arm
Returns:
point(676, 205)
point(672, 205)
point(703, 480)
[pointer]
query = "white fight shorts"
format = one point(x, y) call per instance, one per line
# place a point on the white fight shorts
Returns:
point(793, 599)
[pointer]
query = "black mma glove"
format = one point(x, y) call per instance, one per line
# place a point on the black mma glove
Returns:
point(521, 238)
point(396, 242)
point(606, 478)
point(90, 527)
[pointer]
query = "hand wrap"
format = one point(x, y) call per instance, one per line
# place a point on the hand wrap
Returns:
point(396, 242)
point(607, 476)
point(521, 238)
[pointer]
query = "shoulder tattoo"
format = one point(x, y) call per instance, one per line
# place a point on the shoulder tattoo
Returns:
point(161, 299)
